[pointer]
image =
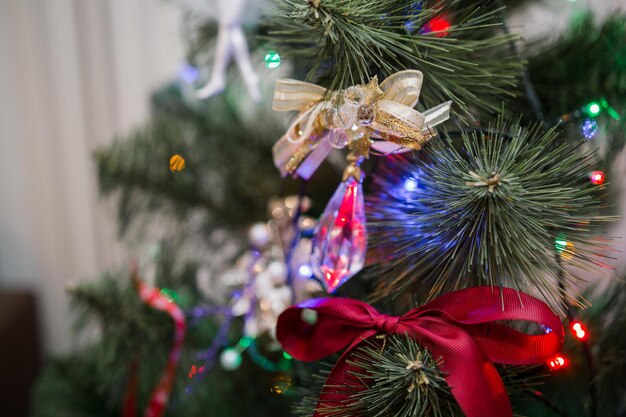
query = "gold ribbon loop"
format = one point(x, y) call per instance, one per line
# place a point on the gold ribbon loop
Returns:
point(403, 87)
point(384, 112)
point(296, 95)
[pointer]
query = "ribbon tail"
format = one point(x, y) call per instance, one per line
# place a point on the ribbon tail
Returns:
point(300, 159)
point(471, 376)
point(303, 148)
point(485, 396)
point(283, 151)
point(437, 114)
point(387, 148)
point(313, 161)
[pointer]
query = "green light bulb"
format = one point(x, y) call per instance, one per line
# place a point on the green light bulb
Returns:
point(272, 59)
point(560, 244)
point(593, 109)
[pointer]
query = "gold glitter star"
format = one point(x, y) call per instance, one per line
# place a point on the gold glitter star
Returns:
point(372, 91)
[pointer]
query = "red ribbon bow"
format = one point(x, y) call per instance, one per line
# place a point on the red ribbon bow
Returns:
point(460, 328)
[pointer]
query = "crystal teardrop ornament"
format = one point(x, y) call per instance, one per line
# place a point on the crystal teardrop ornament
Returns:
point(340, 240)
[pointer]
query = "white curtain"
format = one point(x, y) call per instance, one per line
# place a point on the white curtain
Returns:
point(73, 73)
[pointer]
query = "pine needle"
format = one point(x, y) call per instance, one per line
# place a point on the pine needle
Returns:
point(487, 212)
point(346, 42)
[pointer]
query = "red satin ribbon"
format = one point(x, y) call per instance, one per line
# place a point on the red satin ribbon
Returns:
point(460, 328)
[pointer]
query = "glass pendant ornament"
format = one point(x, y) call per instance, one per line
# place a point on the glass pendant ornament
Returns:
point(341, 238)
point(340, 241)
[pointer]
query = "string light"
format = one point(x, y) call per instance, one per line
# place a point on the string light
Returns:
point(560, 244)
point(558, 362)
point(412, 10)
point(609, 109)
point(305, 270)
point(272, 59)
point(564, 247)
point(188, 73)
point(410, 184)
point(593, 109)
point(597, 177)
point(193, 371)
point(579, 330)
point(589, 128)
point(439, 25)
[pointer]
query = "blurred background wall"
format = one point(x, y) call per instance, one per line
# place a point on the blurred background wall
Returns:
point(73, 74)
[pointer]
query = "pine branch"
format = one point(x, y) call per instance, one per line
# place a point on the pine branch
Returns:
point(346, 42)
point(227, 149)
point(396, 377)
point(588, 61)
point(69, 388)
point(585, 64)
point(91, 382)
point(486, 212)
point(568, 389)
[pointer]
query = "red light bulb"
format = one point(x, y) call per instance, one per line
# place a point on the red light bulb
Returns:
point(437, 24)
point(579, 330)
point(558, 362)
point(597, 177)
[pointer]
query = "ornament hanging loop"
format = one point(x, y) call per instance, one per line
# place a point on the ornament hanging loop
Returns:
point(359, 151)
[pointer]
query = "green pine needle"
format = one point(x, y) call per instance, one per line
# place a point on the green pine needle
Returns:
point(396, 377)
point(589, 58)
point(456, 231)
point(406, 381)
point(346, 42)
point(228, 172)
point(568, 389)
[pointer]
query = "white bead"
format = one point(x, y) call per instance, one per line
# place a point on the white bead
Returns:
point(251, 327)
point(241, 307)
point(259, 235)
point(230, 359)
point(354, 95)
point(345, 116)
point(278, 271)
point(338, 138)
point(263, 284)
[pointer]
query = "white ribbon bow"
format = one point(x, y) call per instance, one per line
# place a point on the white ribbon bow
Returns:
point(383, 113)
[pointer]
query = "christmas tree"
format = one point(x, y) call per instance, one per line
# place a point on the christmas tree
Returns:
point(407, 230)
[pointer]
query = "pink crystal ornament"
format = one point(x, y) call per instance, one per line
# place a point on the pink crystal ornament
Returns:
point(340, 241)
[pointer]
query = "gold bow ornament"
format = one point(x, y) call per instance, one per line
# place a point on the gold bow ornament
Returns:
point(363, 117)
